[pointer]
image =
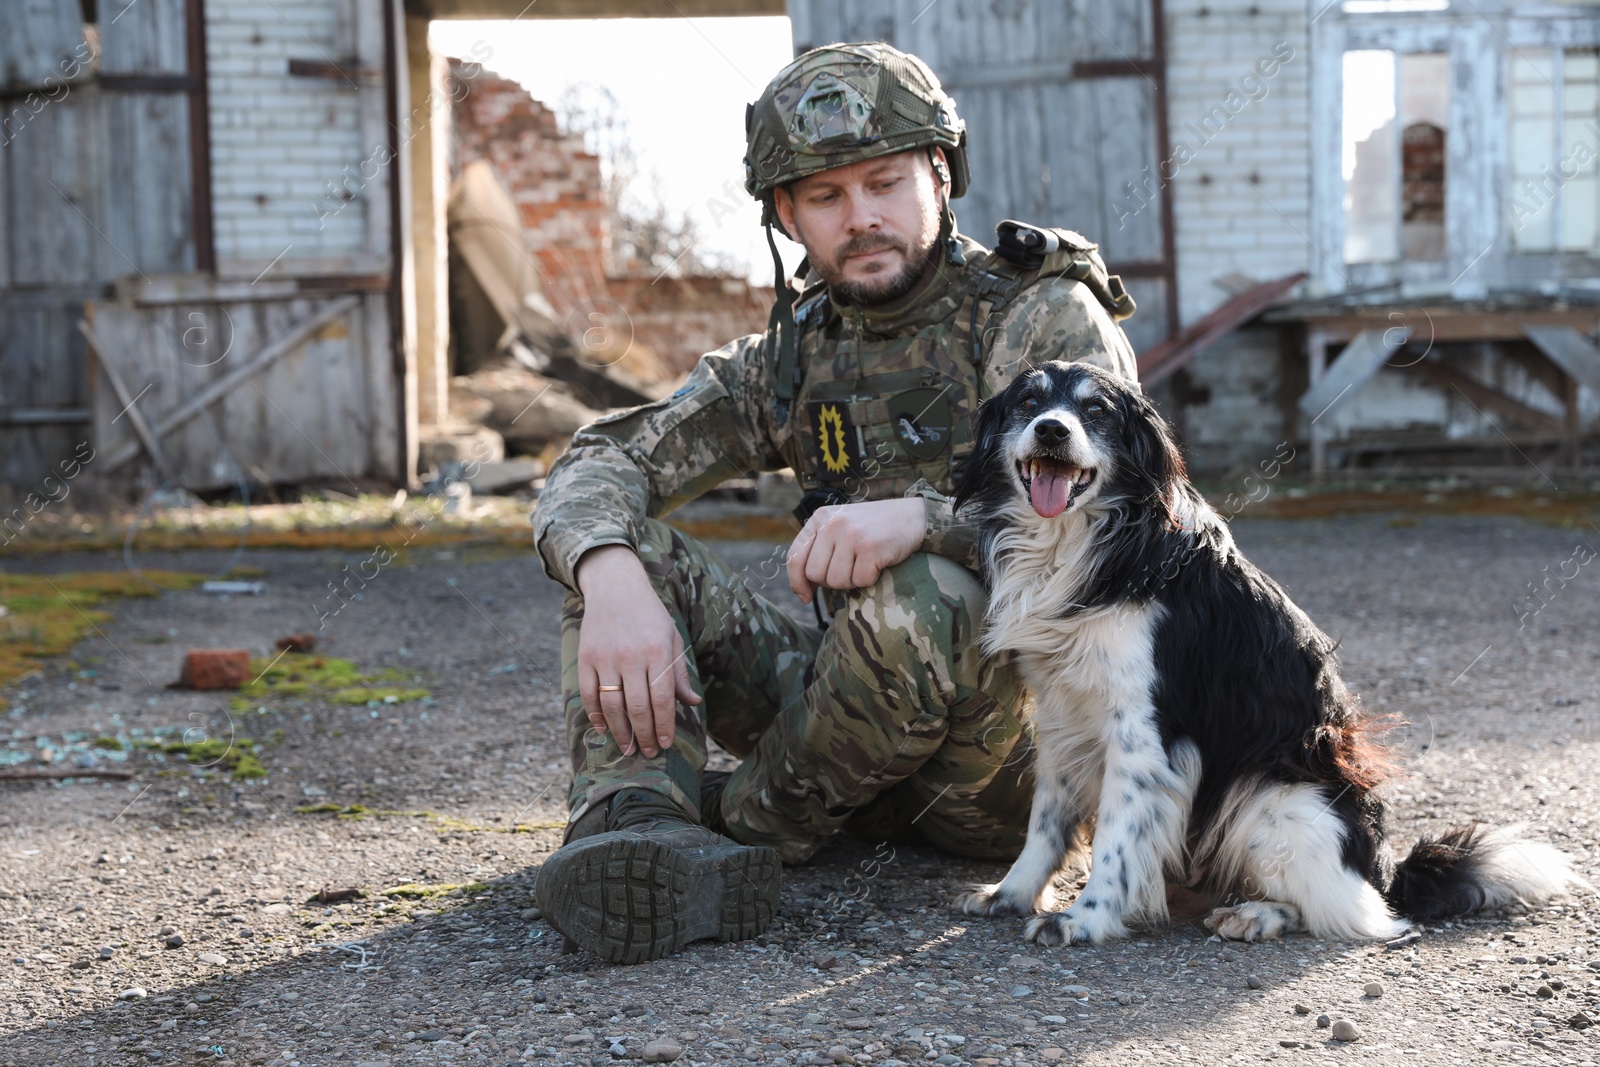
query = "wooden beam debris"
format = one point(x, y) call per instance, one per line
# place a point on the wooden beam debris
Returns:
point(40, 774)
point(129, 402)
point(1360, 360)
point(1568, 350)
point(1160, 360)
point(1485, 397)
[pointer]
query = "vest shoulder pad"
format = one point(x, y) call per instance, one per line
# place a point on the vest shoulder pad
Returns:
point(1044, 252)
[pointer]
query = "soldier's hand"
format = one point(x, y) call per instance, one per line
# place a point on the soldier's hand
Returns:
point(847, 546)
point(628, 640)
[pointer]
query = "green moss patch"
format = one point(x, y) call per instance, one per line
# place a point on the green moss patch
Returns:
point(414, 891)
point(237, 756)
point(46, 614)
point(337, 681)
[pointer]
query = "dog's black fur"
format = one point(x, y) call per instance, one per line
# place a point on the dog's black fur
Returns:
point(1240, 673)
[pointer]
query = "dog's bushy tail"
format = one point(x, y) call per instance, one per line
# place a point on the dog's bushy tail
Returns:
point(1469, 867)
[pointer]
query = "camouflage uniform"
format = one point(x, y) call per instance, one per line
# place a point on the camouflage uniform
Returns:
point(890, 722)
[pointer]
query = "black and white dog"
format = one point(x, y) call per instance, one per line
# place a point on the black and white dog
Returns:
point(1184, 706)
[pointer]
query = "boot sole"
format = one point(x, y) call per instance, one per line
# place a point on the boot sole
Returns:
point(628, 899)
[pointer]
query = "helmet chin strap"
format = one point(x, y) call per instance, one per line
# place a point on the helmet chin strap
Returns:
point(947, 217)
point(781, 332)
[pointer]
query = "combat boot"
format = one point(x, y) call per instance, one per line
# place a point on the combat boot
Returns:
point(647, 881)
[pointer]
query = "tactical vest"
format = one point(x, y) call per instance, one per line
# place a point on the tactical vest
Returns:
point(873, 415)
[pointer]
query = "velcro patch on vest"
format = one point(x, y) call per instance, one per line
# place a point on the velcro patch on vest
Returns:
point(922, 421)
point(836, 443)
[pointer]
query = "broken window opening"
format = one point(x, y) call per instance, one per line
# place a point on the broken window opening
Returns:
point(1395, 150)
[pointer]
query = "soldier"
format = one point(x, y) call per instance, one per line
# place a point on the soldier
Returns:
point(888, 722)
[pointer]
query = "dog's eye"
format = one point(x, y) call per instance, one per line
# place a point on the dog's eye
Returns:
point(1029, 403)
point(1094, 407)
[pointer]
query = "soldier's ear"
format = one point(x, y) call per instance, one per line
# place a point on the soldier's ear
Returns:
point(783, 204)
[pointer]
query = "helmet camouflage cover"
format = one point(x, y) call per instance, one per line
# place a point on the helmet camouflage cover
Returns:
point(843, 103)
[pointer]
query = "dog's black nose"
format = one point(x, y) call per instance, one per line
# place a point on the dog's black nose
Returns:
point(1050, 431)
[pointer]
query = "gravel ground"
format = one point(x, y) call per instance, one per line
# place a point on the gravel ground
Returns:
point(167, 919)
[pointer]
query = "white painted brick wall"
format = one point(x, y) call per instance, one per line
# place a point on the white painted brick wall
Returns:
point(277, 141)
point(1225, 223)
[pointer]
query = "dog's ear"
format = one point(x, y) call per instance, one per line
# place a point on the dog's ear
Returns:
point(970, 473)
point(1154, 451)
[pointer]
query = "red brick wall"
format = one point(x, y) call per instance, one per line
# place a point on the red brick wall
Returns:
point(681, 319)
point(556, 185)
point(554, 182)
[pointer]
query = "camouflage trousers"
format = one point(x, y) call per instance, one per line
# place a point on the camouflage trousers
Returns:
point(890, 724)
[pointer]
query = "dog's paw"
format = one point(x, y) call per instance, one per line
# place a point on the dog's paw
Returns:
point(1255, 920)
point(989, 900)
point(1067, 928)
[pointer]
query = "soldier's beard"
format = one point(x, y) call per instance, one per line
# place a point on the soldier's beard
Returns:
point(877, 290)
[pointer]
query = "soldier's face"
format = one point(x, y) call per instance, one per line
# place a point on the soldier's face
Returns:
point(869, 228)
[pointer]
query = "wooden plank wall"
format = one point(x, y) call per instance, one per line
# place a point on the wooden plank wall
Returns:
point(41, 39)
point(147, 177)
point(41, 368)
point(315, 414)
point(50, 256)
point(1045, 146)
point(96, 196)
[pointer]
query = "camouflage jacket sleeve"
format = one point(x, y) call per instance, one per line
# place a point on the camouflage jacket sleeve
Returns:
point(648, 460)
point(1055, 318)
point(944, 534)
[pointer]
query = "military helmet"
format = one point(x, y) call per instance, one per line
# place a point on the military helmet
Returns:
point(843, 103)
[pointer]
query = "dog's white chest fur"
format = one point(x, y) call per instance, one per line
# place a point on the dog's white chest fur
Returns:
point(1091, 674)
point(1090, 696)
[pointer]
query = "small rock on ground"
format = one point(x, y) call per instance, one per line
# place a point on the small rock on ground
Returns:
point(1345, 1030)
point(662, 1050)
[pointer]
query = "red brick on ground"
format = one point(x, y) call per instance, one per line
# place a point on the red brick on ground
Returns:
point(215, 668)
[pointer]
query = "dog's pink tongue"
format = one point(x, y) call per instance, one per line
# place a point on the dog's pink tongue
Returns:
point(1050, 491)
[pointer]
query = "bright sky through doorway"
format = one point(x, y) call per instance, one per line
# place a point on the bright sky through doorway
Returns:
point(681, 85)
